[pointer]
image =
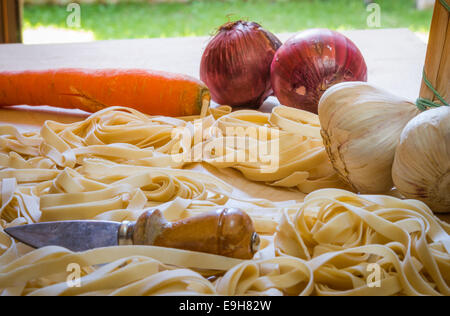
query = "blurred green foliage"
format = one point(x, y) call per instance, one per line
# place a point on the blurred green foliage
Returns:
point(197, 18)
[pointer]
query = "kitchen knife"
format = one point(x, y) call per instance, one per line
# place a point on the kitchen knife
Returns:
point(226, 232)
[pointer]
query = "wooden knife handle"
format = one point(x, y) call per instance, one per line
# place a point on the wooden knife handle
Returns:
point(226, 232)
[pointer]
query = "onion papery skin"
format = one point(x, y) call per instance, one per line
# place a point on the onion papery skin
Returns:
point(236, 64)
point(312, 61)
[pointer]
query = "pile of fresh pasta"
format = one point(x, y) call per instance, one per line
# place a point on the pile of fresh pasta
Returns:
point(118, 163)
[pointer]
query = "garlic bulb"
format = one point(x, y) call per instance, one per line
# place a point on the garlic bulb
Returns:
point(421, 168)
point(361, 127)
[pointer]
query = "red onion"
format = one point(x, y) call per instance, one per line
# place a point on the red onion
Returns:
point(311, 62)
point(236, 64)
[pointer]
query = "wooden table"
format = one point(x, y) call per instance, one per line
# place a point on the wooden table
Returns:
point(395, 59)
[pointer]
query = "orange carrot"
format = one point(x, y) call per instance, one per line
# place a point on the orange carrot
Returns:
point(151, 92)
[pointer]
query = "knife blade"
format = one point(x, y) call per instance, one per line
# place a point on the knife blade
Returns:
point(74, 235)
point(226, 232)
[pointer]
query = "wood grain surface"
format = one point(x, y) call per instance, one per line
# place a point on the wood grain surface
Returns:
point(10, 21)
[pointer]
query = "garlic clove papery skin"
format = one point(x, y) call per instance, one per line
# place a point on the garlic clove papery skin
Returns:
point(421, 167)
point(361, 128)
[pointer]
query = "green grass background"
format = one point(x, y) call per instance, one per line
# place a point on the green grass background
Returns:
point(202, 17)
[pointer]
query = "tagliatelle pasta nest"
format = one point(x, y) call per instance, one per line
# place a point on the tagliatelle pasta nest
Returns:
point(118, 163)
